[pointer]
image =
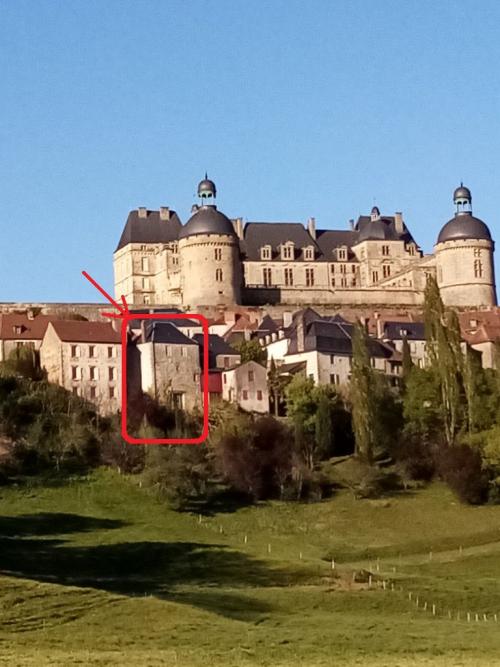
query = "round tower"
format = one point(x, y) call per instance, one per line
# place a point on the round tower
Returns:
point(464, 257)
point(209, 254)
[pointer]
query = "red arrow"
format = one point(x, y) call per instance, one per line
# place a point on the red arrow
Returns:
point(122, 310)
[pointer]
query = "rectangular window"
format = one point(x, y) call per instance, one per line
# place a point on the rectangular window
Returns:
point(288, 277)
point(334, 378)
point(386, 270)
point(250, 376)
point(91, 351)
point(374, 276)
point(343, 268)
point(353, 282)
point(343, 282)
point(332, 358)
point(333, 282)
point(75, 373)
point(226, 362)
point(93, 373)
point(478, 268)
point(477, 252)
point(225, 379)
point(332, 268)
point(75, 351)
point(353, 268)
point(267, 277)
point(168, 350)
point(93, 392)
point(259, 395)
point(385, 250)
point(218, 275)
point(218, 254)
point(111, 392)
point(145, 264)
point(145, 283)
point(111, 352)
point(111, 374)
point(309, 277)
point(245, 395)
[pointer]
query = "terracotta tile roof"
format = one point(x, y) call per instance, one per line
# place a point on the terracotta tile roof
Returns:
point(71, 331)
point(18, 326)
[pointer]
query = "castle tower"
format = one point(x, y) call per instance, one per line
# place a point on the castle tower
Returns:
point(209, 254)
point(464, 257)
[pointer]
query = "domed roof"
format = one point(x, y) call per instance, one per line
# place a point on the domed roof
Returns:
point(464, 226)
point(207, 220)
point(206, 188)
point(375, 230)
point(462, 193)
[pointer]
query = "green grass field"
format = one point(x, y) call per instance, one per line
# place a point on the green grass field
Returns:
point(98, 572)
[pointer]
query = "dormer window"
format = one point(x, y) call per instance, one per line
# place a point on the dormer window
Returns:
point(265, 252)
point(287, 251)
point(18, 329)
point(308, 253)
point(342, 254)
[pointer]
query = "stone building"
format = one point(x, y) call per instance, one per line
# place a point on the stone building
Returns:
point(22, 330)
point(169, 365)
point(323, 347)
point(215, 261)
point(246, 385)
point(84, 358)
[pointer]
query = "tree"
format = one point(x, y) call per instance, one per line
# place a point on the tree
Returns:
point(363, 397)
point(407, 360)
point(443, 348)
point(323, 425)
point(256, 456)
point(251, 350)
point(310, 410)
point(277, 385)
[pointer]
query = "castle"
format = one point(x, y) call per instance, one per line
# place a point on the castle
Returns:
point(215, 261)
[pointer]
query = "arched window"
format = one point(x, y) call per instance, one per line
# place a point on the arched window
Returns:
point(218, 275)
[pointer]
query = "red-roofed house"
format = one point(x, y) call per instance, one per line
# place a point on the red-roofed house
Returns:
point(21, 329)
point(481, 330)
point(84, 357)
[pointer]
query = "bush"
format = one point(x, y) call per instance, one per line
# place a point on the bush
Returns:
point(415, 459)
point(461, 467)
point(377, 483)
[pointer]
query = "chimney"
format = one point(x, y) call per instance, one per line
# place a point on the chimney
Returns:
point(301, 334)
point(398, 222)
point(351, 223)
point(287, 319)
point(238, 227)
point(379, 325)
point(30, 314)
point(164, 213)
point(142, 211)
point(143, 331)
point(311, 227)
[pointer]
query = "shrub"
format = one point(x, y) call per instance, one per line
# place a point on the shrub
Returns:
point(461, 468)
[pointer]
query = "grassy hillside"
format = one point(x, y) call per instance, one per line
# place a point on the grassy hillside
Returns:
point(96, 572)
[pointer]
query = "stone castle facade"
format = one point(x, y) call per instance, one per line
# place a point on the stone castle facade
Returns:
point(215, 261)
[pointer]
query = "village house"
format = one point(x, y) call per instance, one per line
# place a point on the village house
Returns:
point(246, 385)
point(394, 333)
point(481, 330)
point(84, 358)
point(21, 330)
point(169, 365)
point(324, 344)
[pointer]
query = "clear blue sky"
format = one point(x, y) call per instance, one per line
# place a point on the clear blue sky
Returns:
point(295, 108)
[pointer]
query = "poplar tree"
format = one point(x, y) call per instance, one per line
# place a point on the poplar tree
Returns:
point(363, 397)
point(442, 332)
point(323, 425)
point(407, 363)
